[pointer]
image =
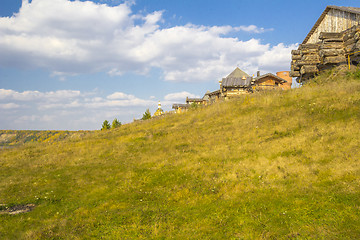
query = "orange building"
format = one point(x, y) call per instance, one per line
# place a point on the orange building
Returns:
point(286, 76)
point(268, 81)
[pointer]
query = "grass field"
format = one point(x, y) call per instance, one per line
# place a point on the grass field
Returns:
point(272, 165)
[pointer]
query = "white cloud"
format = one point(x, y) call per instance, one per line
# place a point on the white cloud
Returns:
point(36, 95)
point(9, 106)
point(179, 96)
point(64, 109)
point(120, 95)
point(253, 29)
point(74, 37)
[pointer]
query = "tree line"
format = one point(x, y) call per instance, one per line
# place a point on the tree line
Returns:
point(115, 123)
point(106, 125)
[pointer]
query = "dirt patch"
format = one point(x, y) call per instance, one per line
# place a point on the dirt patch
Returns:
point(17, 209)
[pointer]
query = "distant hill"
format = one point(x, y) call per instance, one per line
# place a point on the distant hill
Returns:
point(271, 165)
point(11, 138)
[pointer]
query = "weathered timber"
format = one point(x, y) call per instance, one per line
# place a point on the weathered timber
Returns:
point(350, 42)
point(309, 46)
point(311, 58)
point(302, 63)
point(331, 52)
point(349, 48)
point(331, 46)
point(357, 36)
point(333, 40)
point(309, 51)
point(295, 52)
point(309, 69)
point(295, 74)
point(296, 57)
point(334, 60)
point(348, 35)
point(357, 46)
point(295, 68)
point(327, 35)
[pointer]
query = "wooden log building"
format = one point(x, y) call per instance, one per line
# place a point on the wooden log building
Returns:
point(238, 83)
point(331, 41)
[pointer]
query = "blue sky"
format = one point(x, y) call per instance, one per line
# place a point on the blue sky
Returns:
point(69, 65)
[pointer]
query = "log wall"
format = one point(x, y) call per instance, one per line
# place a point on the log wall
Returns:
point(331, 49)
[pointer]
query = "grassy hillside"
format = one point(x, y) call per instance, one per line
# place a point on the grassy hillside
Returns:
point(11, 138)
point(273, 165)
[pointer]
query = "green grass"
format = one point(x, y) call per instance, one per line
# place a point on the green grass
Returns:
point(274, 165)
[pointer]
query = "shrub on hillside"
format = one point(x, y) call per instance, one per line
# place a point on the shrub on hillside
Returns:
point(146, 115)
point(115, 123)
point(105, 125)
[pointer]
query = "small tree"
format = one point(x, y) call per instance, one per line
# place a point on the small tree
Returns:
point(194, 105)
point(115, 123)
point(146, 115)
point(105, 125)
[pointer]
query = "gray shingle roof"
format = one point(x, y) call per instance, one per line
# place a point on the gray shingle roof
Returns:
point(194, 99)
point(214, 93)
point(180, 105)
point(346, 9)
point(236, 82)
point(237, 73)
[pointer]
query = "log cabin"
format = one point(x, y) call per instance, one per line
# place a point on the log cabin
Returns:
point(180, 108)
point(268, 81)
point(236, 83)
point(334, 19)
point(198, 101)
point(332, 41)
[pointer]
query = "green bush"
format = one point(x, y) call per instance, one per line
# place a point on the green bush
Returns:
point(146, 115)
point(105, 125)
point(115, 123)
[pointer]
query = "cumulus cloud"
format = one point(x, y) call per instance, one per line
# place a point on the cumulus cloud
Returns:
point(253, 29)
point(9, 105)
point(64, 109)
point(74, 37)
point(179, 96)
point(36, 95)
point(120, 95)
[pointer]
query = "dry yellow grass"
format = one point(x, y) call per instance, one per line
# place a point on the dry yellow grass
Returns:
point(278, 165)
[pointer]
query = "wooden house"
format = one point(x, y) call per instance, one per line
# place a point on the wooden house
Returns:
point(212, 97)
point(268, 81)
point(334, 19)
point(330, 42)
point(236, 83)
point(198, 101)
point(180, 108)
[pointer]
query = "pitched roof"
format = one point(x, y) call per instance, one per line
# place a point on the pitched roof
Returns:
point(322, 16)
point(194, 99)
point(236, 82)
point(237, 73)
point(180, 105)
point(217, 92)
point(281, 80)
